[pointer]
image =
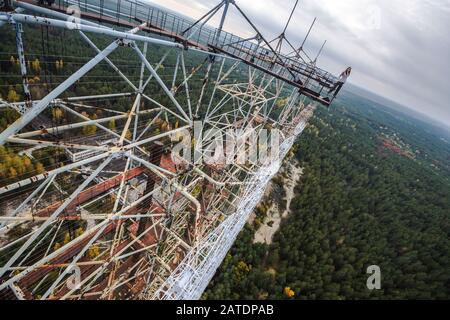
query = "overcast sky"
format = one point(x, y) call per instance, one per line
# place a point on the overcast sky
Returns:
point(398, 49)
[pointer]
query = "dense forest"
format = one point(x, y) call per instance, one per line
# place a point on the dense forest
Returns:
point(375, 190)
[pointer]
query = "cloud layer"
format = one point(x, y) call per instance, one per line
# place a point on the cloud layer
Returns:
point(398, 49)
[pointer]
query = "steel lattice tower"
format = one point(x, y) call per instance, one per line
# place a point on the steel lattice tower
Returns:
point(122, 217)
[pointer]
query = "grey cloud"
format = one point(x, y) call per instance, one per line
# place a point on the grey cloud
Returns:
point(407, 60)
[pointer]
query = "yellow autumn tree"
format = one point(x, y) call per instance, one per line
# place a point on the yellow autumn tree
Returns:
point(56, 246)
point(13, 96)
point(79, 232)
point(59, 64)
point(39, 168)
point(112, 124)
point(57, 114)
point(93, 252)
point(165, 126)
point(17, 163)
point(3, 171)
point(281, 102)
point(288, 292)
point(36, 65)
point(66, 238)
point(89, 129)
point(27, 163)
point(12, 173)
point(240, 270)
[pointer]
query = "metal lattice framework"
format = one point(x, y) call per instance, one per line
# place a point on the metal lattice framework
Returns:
point(120, 216)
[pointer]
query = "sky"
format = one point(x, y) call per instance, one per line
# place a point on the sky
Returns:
point(397, 49)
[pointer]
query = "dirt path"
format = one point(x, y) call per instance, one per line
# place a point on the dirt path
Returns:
point(273, 220)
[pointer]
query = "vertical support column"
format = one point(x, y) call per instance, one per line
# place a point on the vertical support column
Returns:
point(211, 58)
point(222, 21)
point(318, 54)
point(23, 68)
